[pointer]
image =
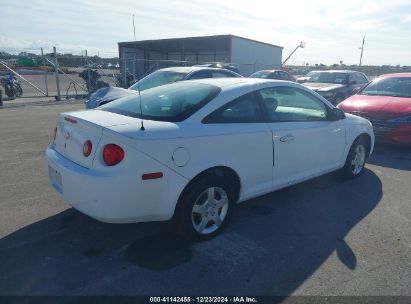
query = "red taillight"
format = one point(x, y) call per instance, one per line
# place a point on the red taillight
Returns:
point(69, 119)
point(112, 154)
point(55, 134)
point(87, 147)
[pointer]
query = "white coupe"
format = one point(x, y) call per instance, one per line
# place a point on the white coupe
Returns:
point(191, 150)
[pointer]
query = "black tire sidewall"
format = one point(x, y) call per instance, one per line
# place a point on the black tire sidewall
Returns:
point(187, 200)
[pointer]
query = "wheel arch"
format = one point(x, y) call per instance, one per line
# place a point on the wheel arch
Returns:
point(367, 140)
point(222, 171)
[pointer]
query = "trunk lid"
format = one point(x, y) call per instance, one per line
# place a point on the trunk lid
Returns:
point(75, 128)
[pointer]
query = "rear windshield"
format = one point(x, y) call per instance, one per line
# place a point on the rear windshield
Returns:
point(156, 79)
point(173, 102)
point(260, 74)
point(393, 86)
point(327, 77)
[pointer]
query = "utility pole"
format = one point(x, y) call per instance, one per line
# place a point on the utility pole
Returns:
point(45, 73)
point(56, 67)
point(134, 29)
point(362, 49)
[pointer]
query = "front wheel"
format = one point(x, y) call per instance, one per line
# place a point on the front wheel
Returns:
point(205, 208)
point(354, 165)
point(18, 90)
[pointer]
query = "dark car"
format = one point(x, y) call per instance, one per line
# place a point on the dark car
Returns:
point(386, 102)
point(335, 85)
point(219, 65)
point(273, 74)
point(155, 79)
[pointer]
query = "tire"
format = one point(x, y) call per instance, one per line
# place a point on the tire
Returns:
point(19, 90)
point(355, 162)
point(9, 91)
point(204, 208)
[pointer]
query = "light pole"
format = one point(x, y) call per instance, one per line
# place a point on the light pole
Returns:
point(362, 50)
point(301, 45)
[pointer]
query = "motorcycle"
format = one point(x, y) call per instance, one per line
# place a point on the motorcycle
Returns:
point(12, 86)
point(91, 78)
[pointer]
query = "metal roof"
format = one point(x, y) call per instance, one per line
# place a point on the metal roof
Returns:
point(189, 44)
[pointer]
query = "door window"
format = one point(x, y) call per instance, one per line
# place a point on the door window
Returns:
point(292, 104)
point(244, 109)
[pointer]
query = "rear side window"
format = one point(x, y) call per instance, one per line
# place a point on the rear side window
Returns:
point(361, 78)
point(173, 102)
point(201, 75)
point(221, 74)
point(244, 109)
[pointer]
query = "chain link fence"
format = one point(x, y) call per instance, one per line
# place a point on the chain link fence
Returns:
point(78, 82)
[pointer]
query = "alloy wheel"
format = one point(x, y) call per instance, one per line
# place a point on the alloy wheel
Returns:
point(209, 210)
point(357, 163)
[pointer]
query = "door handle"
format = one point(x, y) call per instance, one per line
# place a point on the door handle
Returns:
point(287, 138)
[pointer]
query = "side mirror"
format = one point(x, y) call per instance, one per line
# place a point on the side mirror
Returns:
point(337, 114)
point(356, 90)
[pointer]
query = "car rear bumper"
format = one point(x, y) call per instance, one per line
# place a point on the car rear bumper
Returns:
point(119, 197)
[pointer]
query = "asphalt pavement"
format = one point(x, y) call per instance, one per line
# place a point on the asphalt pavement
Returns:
point(324, 237)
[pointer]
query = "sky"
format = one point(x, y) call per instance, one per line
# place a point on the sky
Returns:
point(332, 30)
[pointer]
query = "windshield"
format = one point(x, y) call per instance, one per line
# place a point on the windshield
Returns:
point(156, 79)
point(260, 74)
point(327, 77)
point(393, 86)
point(173, 102)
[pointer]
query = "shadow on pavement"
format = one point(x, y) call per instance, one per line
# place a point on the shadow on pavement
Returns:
point(391, 156)
point(272, 245)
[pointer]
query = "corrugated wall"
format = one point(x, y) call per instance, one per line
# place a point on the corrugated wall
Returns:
point(251, 56)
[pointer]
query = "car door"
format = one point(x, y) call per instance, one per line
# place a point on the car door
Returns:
point(242, 141)
point(306, 142)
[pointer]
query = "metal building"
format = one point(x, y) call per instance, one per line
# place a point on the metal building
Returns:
point(140, 58)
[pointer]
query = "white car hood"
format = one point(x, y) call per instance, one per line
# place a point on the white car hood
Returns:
point(322, 87)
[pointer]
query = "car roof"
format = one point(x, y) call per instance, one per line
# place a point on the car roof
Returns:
point(230, 81)
point(396, 75)
point(190, 69)
point(337, 71)
point(271, 71)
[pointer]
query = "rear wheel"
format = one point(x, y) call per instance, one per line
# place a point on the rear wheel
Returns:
point(354, 165)
point(205, 208)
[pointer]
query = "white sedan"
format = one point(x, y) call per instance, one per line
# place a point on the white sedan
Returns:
point(191, 150)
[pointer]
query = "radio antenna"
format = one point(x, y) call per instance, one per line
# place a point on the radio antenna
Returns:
point(141, 107)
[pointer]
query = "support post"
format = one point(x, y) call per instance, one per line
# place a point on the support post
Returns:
point(56, 68)
point(88, 74)
point(45, 73)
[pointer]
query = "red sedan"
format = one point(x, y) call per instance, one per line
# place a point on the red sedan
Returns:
point(386, 102)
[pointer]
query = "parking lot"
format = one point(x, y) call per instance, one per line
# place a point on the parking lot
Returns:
point(326, 236)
